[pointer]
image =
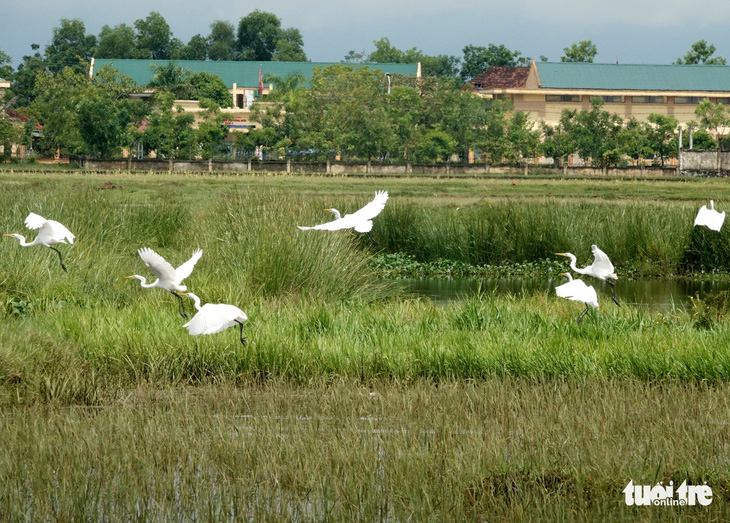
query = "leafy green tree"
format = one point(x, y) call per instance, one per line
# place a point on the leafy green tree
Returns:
point(433, 145)
point(211, 129)
point(23, 81)
point(211, 87)
point(290, 46)
point(556, 143)
point(701, 53)
point(523, 137)
point(440, 65)
point(169, 130)
point(153, 38)
point(196, 49)
point(404, 107)
point(477, 59)
point(595, 133)
point(6, 69)
point(8, 135)
point(70, 47)
point(222, 41)
point(258, 35)
point(714, 118)
point(117, 42)
point(635, 140)
point(583, 51)
point(55, 106)
point(173, 78)
point(662, 131)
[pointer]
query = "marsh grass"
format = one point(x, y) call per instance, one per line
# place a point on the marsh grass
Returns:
point(499, 449)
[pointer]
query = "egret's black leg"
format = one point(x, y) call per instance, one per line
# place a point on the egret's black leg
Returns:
point(59, 257)
point(582, 314)
point(372, 240)
point(240, 332)
point(613, 292)
point(181, 305)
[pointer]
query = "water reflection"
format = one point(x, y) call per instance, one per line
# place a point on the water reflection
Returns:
point(658, 294)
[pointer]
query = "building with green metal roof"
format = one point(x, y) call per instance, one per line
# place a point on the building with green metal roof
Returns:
point(243, 79)
point(545, 89)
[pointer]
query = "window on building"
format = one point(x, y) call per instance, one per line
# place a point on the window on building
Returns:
point(681, 100)
point(723, 101)
point(610, 99)
point(239, 101)
point(562, 98)
point(649, 99)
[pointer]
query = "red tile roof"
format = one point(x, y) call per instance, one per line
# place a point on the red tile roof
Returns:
point(501, 78)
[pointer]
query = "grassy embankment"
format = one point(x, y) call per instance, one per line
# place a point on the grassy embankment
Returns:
point(492, 406)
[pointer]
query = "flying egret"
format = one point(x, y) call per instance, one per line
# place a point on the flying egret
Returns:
point(215, 317)
point(168, 278)
point(361, 220)
point(710, 217)
point(577, 290)
point(601, 268)
point(50, 233)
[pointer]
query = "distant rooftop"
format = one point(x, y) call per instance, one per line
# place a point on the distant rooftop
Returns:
point(241, 73)
point(640, 77)
point(501, 78)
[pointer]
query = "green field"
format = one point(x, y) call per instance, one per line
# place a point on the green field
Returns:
point(351, 400)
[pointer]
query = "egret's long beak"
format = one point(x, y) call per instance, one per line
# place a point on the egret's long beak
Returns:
point(560, 254)
point(7, 234)
point(127, 277)
point(328, 210)
point(183, 293)
point(563, 274)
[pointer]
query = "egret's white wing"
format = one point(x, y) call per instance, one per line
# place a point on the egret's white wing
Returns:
point(34, 221)
point(710, 218)
point(162, 269)
point(371, 210)
point(577, 290)
point(215, 317)
point(601, 263)
point(334, 225)
point(187, 268)
point(59, 231)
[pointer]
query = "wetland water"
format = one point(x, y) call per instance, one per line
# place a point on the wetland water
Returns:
point(657, 294)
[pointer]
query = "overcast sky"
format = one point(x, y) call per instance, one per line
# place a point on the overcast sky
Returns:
point(628, 31)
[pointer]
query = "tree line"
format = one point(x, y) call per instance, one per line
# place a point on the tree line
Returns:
point(345, 110)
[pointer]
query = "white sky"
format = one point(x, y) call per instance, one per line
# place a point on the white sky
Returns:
point(630, 31)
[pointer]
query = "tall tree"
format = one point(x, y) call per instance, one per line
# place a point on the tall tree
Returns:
point(583, 51)
point(23, 82)
point(715, 118)
point(6, 69)
point(174, 79)
point(477, 59)
point(440, 65)
point(701, 53)
point(258, 34)
point(70, 46)
point(117, 42)
point(196, 49)
point(153, 38)
point(290, 46)
point(211, 87)
point(222, 41)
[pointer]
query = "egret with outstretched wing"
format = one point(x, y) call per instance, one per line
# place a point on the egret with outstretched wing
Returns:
point(50, 232)
point(361, 220)
point(168, 278)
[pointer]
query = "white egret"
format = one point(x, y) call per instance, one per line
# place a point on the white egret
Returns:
point(361, 220)
point(601, 268)
point(49, 234)
point(168, 278)
point(710, 218)
point(215, 317)
point(577, 290)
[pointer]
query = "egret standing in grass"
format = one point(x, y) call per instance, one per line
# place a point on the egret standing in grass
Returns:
point(601, 268)
point(577, 290)
point(215, 317)
point(168, 278)
point(50, 233)
point(361, 220)
point(710, 218)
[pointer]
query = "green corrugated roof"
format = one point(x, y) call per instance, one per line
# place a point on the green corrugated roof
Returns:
point(244, 74)
point(583, 75)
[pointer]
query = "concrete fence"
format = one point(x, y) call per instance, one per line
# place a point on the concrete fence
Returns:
point(347, 168)
point(705, 163)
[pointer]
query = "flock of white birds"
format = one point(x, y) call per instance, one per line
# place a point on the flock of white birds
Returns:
point(215, 317)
